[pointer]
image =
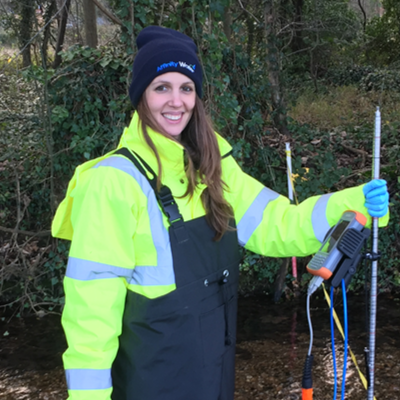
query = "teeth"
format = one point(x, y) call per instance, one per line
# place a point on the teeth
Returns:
point(172, 117)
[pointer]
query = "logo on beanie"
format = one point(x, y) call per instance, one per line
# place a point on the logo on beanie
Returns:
point(182, 64)
point(191, 68)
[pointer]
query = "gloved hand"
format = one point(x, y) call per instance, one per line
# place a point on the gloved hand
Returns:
point(376, 198)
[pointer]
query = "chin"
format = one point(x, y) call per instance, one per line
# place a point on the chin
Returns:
point(173, 132)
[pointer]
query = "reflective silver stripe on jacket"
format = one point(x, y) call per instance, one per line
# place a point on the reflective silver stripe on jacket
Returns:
point(85, 270)
point(88, 379)
point(254, 215)
point(163, 273)
point(318, 217)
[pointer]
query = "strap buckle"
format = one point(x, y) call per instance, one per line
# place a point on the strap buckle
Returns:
point(168, 204)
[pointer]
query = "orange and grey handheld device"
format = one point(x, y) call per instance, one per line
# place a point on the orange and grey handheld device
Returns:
point(340, 251)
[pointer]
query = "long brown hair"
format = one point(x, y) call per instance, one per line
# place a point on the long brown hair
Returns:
point(203, 163)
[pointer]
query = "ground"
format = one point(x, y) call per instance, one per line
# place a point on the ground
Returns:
point(272, 344)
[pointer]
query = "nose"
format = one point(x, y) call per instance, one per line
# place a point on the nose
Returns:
point(176, 98)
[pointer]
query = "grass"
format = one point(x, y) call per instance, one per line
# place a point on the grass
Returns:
point(7, 53)
point(343, 106)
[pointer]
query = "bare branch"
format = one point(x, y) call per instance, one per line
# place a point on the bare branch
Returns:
point(255, 18)
point(364, 15)
point(108, 13)
point(363, 153)
point(33, 38)
point(26, 233)
point(162, 13)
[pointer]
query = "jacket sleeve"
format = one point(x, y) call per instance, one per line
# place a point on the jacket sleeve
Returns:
point(100, 265)
point(268, 224)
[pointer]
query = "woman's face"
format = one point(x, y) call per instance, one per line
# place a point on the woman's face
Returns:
point(171, 98)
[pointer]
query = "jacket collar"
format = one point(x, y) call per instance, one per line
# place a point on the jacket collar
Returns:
point(171, 152)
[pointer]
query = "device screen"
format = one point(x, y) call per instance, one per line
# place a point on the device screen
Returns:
point(328, 246)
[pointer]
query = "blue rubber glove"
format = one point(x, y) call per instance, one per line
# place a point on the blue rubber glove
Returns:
point(376, 198)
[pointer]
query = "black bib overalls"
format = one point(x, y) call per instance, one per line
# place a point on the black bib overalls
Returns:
point(181, 346)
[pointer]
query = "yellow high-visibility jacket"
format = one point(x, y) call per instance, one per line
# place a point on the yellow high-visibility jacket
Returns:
point(120, 242)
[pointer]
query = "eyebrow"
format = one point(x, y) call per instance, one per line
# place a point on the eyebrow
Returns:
point(169, 82)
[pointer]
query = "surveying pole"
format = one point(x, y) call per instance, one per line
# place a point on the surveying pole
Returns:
point(374, 268)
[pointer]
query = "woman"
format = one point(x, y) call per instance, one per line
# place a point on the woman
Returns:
point(151, 281)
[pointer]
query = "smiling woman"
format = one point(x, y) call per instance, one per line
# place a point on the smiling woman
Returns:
point(170, 99)
point(152, 275)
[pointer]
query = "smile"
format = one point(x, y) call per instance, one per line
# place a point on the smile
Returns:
point(172, 117)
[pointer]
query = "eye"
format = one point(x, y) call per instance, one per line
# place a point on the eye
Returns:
point(160, 88)
point(187, 89)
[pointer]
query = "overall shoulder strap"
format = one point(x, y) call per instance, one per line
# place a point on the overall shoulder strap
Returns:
point(139, 165)
point(230, 153)
point(164, 195)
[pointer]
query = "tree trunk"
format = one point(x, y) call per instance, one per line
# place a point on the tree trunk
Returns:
point(133, 36)
point(90, 22)
point(51, 10)
point(272, 61)
point(27, 8)
point(280, 279)
point(227, 21)
point(61, 34)
point(279, 109)
point(250, 35)
point(297, 42)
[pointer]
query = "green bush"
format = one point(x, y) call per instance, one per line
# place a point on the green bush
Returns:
point(79, 111)
point(348, 75)
point(381, 80)
point(384, 36)
point(89, 102)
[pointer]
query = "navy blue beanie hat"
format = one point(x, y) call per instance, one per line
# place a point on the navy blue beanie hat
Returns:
point(163, 50)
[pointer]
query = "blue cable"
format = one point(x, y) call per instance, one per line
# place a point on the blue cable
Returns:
point(333, 349)
point(345, 339)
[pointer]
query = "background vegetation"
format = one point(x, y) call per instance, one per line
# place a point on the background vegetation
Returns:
point(308, 72)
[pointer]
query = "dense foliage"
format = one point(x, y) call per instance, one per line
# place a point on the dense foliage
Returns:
point(266, 65)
